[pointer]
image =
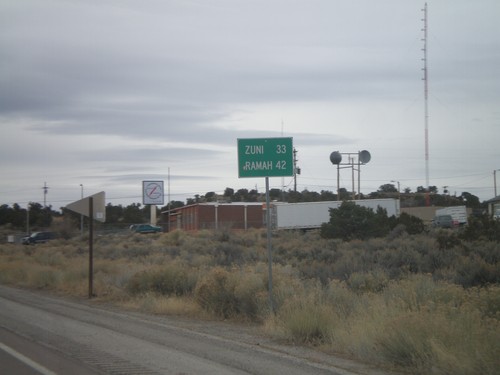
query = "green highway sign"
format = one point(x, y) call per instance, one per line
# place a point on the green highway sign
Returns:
point(265, 157)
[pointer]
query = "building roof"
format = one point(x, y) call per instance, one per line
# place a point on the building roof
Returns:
point(217, 204)
point(494, 200)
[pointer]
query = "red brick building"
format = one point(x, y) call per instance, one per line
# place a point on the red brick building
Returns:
point(237, 215)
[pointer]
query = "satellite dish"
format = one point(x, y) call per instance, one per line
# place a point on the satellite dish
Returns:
point(335, 157)
point(364, 156)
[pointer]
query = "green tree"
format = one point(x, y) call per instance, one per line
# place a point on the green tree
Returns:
point(114, 214)
point(211, 196)
point(134, 214)
point(228, 193)
point(481, 227)
point(173, 204)
point(6, 214)
point(241, 195)
point(387, 188)
point(470, 200)
point(351, 221)
point(40, 217)
point(275, 194)
point(326, 195)
point(412, 224)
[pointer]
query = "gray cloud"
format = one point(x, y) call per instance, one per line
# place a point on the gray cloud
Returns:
point(178, 82)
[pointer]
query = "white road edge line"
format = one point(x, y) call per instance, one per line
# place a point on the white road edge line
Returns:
point(42, 370)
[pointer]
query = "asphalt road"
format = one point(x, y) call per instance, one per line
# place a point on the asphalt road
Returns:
point(83, 337)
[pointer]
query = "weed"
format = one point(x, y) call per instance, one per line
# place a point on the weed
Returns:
point(425, 305)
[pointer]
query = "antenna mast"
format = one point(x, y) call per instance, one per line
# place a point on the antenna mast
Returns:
point(45, 190)
point(426, 96)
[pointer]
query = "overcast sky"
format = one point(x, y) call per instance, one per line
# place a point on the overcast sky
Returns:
point(108, 93)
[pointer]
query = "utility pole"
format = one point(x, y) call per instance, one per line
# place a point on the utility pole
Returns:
point(296, 170)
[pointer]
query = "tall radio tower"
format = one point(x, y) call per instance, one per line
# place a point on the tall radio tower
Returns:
point(45, 190)
point(426, 96)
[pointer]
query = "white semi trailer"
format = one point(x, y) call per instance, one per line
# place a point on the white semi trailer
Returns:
point(457, 213)
point(310, 215)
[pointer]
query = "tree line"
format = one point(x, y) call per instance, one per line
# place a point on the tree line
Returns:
point(36, 216)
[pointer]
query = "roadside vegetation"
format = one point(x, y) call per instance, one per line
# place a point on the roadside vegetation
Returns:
point(425, 303)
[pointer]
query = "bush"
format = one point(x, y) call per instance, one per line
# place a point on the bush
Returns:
point(307, 322)
point(406, 342)
point(474, 271)
point(172, 280)
point(482, 227)
point(373, 281)
point(412, 224)
point(229, 295)
point(447, 239)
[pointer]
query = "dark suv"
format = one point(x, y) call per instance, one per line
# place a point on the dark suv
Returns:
point(38, 237)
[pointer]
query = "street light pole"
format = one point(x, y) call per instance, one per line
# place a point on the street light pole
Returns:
point(495, 180)
point(399, 189)
point(81, 216)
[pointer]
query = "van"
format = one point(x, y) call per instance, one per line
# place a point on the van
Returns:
point(38, 237)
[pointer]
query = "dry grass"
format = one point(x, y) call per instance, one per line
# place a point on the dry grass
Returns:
point(162, 305)
point(325, 292)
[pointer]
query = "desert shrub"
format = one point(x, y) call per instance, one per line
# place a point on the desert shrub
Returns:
point(412, 293)
point(481, 227)
point(321, 271)
point(398, 231)
point(229, 295)
point(43, 278)
point(287, 283)
point(48, 257)
point(475, 271)
point(14, 273)
point(438, 259)
point(447, 239)
point(227, 254)
point(343, 298)
point(447, 340)
point(307, 322)
point(405, 342)
point(363, 282)
point(489, 251)
point(412, 224)
point(171, 280)
point(135, 251)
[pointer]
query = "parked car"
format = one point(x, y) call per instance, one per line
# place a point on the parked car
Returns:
point(145, 228)
point(38, 237)
point(444, 221)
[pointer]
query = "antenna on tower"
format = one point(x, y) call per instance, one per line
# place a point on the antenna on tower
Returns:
point(45, 191)
point(426, 97)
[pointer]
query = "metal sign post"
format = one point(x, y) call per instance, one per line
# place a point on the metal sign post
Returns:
point(269, 247)
point(91, 247)
point(94, 207)
point(266, 157)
